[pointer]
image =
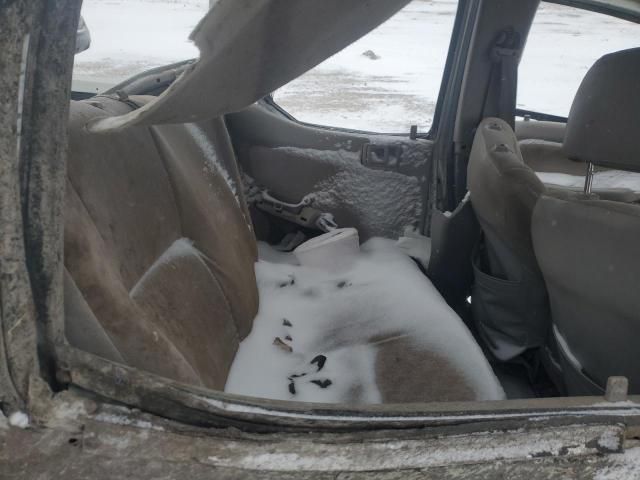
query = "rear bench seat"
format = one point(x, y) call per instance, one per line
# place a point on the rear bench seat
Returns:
point(168, 305)
point(159, 257)
point(554, 168)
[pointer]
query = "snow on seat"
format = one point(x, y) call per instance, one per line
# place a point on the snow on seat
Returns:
point(375, 331)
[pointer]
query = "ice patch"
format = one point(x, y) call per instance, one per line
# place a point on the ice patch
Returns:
point(344, 317)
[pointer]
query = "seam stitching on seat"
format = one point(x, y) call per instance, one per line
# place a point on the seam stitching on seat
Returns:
point(154, 138)
point(161, 152)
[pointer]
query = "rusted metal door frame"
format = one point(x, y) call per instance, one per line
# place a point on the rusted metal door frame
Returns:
point(38, 43)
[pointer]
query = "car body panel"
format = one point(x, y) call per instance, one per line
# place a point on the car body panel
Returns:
point(83, 439)
point(68, 396)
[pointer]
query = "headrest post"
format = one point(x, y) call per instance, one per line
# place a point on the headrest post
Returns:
point(588, 181)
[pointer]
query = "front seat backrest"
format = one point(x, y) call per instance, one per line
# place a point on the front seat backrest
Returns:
point(509, 298)
point(588, 249)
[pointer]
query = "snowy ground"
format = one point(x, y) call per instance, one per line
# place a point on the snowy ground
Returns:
point(389, 89)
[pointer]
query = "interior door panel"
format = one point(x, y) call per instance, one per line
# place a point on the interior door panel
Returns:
point(375, 183)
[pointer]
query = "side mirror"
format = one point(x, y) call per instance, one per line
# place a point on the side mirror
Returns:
point(83, 37)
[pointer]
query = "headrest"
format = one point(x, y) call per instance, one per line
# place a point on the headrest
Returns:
point(604, 122)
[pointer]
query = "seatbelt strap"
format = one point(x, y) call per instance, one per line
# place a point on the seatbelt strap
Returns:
point(500, 98)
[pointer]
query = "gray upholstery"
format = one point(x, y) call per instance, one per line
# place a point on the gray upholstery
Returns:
point(509, 296)
point(603, 125)
point(586, 248)
point(160, 262)
point(587, 251)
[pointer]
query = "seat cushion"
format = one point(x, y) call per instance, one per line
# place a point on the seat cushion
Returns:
point(375, 332)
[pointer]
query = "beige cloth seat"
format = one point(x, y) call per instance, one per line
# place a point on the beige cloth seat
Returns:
point(550, 158)
point(588, 249)
point(158, 254)
point(510, 302)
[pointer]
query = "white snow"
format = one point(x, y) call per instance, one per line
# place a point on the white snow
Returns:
point(395, 455)
point(213, 162)
point(118, 419)
point(604, 179)
point(376, 202)
point(352, 90)
point(66, 411)
point(131, 36)
point(371, 418)
point(19, 420)
point(623, 466)
point(416, 245)
point(610, 440)
point(344, 316)
point(623, 403)
point(389, 94)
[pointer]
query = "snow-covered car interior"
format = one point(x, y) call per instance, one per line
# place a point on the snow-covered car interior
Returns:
point(213, 239)
point(148, 270)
